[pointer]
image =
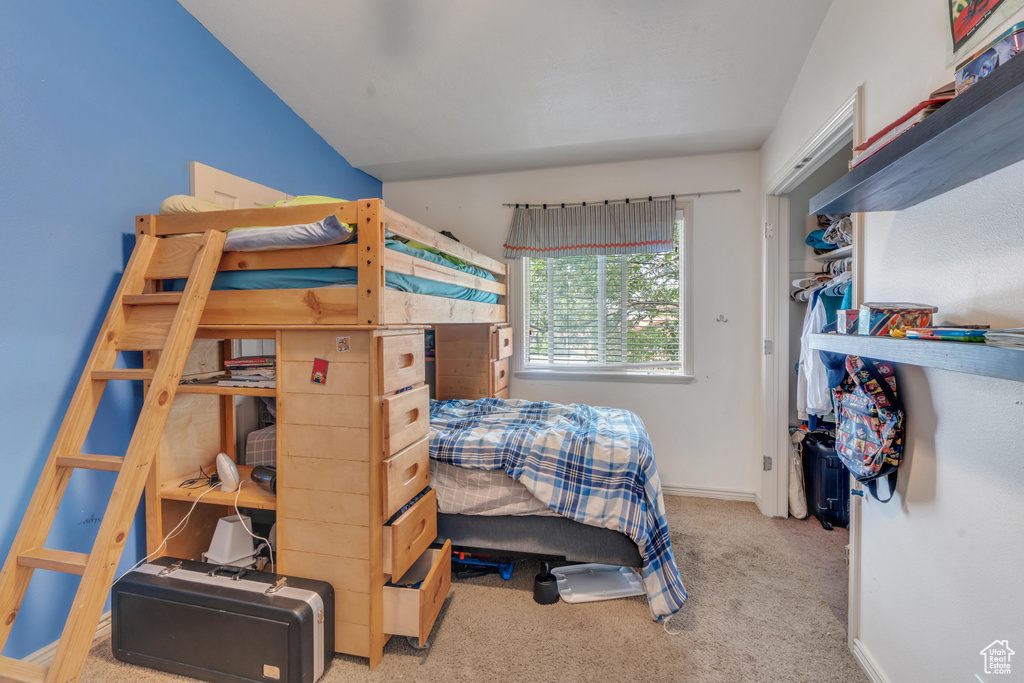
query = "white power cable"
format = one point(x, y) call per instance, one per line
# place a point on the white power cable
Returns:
point(249, 531)
point(174, 532)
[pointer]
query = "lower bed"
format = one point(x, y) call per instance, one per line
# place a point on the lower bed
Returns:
point(488, 511)
point(592, 466)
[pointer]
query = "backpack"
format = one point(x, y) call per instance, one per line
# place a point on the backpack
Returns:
point(869, 423)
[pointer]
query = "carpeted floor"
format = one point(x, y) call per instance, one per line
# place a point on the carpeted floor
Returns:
point(752, 616)
point(822, 553)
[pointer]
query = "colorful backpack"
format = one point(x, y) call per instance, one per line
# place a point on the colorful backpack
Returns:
point(869, 422)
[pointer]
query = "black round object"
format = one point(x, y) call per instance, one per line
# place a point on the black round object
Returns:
point(545, 589)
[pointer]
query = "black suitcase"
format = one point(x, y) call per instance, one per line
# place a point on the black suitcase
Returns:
point(826, 480)
point(222, 624)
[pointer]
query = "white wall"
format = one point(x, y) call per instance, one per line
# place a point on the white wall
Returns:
point(941, 563)
point(704, 432)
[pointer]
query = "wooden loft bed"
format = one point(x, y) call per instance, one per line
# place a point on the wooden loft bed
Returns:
point(369, 303)
point(352, 454)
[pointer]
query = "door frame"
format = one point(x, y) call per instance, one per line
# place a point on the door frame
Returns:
point(774, 498)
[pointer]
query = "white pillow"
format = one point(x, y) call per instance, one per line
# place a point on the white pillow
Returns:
point(183, 203)
point(328, 231)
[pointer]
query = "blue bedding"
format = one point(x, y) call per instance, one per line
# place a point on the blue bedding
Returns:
point(302, 278)
point(592, 465)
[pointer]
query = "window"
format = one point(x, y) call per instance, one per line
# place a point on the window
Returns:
point(606, 314)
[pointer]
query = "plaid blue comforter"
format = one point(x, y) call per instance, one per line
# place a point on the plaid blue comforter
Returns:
point(592, 465)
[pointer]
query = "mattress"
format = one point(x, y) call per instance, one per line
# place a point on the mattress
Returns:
point(303, 278)
point(488, 493)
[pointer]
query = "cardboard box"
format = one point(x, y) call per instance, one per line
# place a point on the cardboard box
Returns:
point(879, 319)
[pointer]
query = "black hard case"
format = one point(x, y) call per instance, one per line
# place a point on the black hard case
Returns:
point(220, 628)
point(826, 480)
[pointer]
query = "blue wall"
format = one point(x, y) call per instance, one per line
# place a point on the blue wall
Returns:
point(102, 106)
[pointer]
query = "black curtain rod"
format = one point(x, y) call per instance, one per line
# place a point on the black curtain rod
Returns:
point(621, 201)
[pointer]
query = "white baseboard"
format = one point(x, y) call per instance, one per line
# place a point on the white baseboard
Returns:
point(44, 656)
point(867, 662)
point(708, 492)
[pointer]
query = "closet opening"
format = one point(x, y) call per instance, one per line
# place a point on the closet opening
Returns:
point(820, 256)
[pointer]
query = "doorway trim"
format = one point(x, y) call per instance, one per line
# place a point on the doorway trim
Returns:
point(774, 490)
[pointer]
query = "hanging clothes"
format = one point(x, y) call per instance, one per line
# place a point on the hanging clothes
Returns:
point(812, 392)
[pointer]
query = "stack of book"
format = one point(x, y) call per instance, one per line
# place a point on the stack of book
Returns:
point(960, 334)
point(1011, 338)
point(250, 371)
point(919, 113)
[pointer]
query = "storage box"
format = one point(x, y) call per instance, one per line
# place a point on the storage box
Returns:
point(847, 320)
point(995, 54)
point(879, 319)
point(222, 624)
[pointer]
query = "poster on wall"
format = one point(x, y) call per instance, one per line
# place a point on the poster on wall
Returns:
point(971, 21)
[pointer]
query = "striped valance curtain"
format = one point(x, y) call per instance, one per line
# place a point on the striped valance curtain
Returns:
point(628, 227)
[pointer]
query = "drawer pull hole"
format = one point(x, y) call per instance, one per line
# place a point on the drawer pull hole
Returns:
point(410, 474)
point(414, 416)
point(420, 528)
point(406, 360)
point(501, 374)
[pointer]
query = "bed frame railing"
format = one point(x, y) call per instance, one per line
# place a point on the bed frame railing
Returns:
point(371, 303)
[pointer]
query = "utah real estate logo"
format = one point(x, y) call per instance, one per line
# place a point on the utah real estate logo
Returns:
point(997, 657)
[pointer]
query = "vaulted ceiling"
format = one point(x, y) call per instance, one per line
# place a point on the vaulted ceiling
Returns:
point(420, 88)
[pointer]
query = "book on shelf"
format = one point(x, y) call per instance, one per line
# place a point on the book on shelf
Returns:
point(879, 140)
point(1011, 338)
point(959, 334)
point(250, 361)
point(252, 383)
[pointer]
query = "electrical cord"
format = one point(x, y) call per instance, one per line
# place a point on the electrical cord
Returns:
point(174, 532)
point(249, 531)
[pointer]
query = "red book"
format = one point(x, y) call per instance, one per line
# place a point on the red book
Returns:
point(897, 128)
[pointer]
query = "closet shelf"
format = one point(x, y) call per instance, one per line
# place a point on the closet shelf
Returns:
point(972, 358)
point(835, 254)
point(972, 135)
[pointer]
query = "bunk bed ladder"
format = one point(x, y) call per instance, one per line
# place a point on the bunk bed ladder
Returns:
point(137, 320)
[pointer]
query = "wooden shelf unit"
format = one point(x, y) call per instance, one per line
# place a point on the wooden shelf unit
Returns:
point(971, 358)
point(972, 135)
point(350, 454)
point(250, 495)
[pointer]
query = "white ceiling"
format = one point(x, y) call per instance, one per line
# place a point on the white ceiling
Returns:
point(420, 88)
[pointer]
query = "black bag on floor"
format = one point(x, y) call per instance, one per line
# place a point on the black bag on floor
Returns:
point(826, 480)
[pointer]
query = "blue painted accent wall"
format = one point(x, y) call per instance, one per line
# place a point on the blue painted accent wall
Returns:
point(102, 106)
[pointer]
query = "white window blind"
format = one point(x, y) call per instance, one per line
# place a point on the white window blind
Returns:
point(604, 312)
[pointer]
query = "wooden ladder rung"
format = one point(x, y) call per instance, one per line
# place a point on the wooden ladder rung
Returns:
point(54, 560)
point(123, 373)
point(21, 672)
point(84, 461)
point(156, 299)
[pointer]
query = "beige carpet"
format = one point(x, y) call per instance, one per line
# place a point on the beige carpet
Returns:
point(753, 615)
point(822, 553)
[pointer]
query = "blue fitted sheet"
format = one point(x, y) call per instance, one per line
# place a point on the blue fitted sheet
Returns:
point(302, 278)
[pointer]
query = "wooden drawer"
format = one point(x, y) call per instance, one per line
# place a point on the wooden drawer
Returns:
point(501, 343)
point(400, 362)
point(406, 419)
point(499, 375)
point(407, 537)
point(412, 611)
point(405, 475)
point(501, 394)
